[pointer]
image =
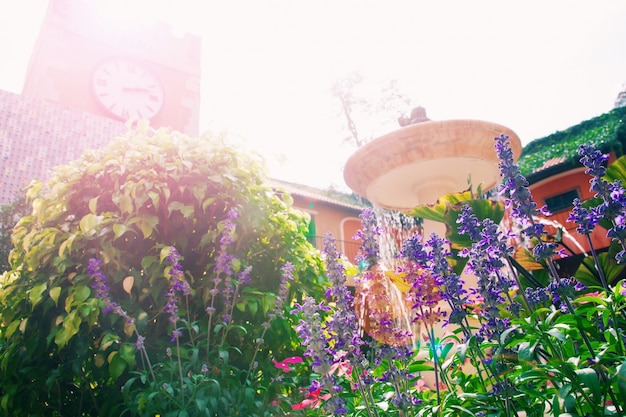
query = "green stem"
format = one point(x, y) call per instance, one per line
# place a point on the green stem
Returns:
point(254, 355)
point(144, 354)
point(180, 372)
point(596, 261)
point(230, 313)
point(433, 349)
point(605, 285)
point(368, 399)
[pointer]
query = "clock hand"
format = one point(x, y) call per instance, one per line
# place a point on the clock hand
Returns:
point(135, 90)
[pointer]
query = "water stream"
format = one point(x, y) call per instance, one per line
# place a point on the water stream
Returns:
point(378, 298)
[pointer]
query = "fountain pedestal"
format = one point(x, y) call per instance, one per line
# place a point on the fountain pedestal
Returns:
point(421, 162)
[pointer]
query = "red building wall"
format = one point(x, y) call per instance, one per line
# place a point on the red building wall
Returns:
point(558, 184)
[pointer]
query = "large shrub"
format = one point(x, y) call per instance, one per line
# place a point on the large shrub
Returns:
point(126, 206)
point(9, 215)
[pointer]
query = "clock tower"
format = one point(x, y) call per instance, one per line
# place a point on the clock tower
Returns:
point(142, 72)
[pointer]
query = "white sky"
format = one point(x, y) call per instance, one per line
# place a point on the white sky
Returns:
point(535, 66)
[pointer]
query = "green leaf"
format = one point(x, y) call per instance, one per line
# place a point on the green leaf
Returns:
point(207, 203)
point(66, 245)
point(93, 205)
point(590, 379)
point(617, 170)
point(11, 328)
point(241, 306)
point(556, 333)
point(148, 261)
point(186, 209)
point(224, 355)
point(127, 352)
point(436, 211)
point(89, 222)
point(69, 328)
point(80, 293)
point(621, 381)
point(253, 306)
point(526, 351)
point(124, 203)
point(588, 275)
point(119, 230)
point(164, 253)
point(117, 365)
point(107, 340)
point(419, 367)
point(36, 293)
point(54, 295)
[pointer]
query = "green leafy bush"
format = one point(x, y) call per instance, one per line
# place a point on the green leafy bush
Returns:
point(606, 132)
point(147, 191)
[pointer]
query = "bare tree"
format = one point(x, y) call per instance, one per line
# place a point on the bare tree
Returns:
point(365, 106)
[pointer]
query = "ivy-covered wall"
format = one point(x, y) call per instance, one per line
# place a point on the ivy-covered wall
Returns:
point(607, 132)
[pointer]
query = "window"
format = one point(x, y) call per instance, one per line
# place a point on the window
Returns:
point(311, 235)
point(561, 201)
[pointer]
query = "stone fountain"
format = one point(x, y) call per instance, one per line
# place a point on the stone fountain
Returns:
point(420, 162)
point(424, 160)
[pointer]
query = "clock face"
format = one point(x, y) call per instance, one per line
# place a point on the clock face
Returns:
point(127, 89)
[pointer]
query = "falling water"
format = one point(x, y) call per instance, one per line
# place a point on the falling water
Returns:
point(397, 228)
point(379, 294)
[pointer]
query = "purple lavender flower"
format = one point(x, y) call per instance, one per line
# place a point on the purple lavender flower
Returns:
point(244, 276)
point(344, 324)
point(224, 261)
point(318, 339)
point(519, 199)
point(171, 307)
point(433, 257)
point(102, 292)
point(468, 223)
point(594, 160)
point(413, 249)
point(283, 291)
point(369, 250)
point(613, 195)
point(139, 344)
point(102, 289)
point(586, 219)
point(425, 293)
point(486, 258)
point(177, 284)
point(563, 290)
point(311, 333)
point(537, 296)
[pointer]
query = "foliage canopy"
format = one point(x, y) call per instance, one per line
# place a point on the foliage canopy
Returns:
point(150, 189)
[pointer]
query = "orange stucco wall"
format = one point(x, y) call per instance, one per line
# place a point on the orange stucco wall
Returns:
point(571, 180)
point(342, 222)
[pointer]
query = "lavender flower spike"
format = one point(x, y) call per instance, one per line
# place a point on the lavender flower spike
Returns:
point(102, 289)
point(514, 188)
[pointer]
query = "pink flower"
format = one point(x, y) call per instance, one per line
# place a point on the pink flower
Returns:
point(342, 368)
point(313, 400)
point(421, 386)
point(284, 364)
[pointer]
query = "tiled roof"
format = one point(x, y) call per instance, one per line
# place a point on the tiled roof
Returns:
point(37, 135)
point(331, 197)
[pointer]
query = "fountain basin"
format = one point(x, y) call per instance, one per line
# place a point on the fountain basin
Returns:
point(419, 163)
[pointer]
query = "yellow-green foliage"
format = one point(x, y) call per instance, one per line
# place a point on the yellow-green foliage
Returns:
point(59, 355)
